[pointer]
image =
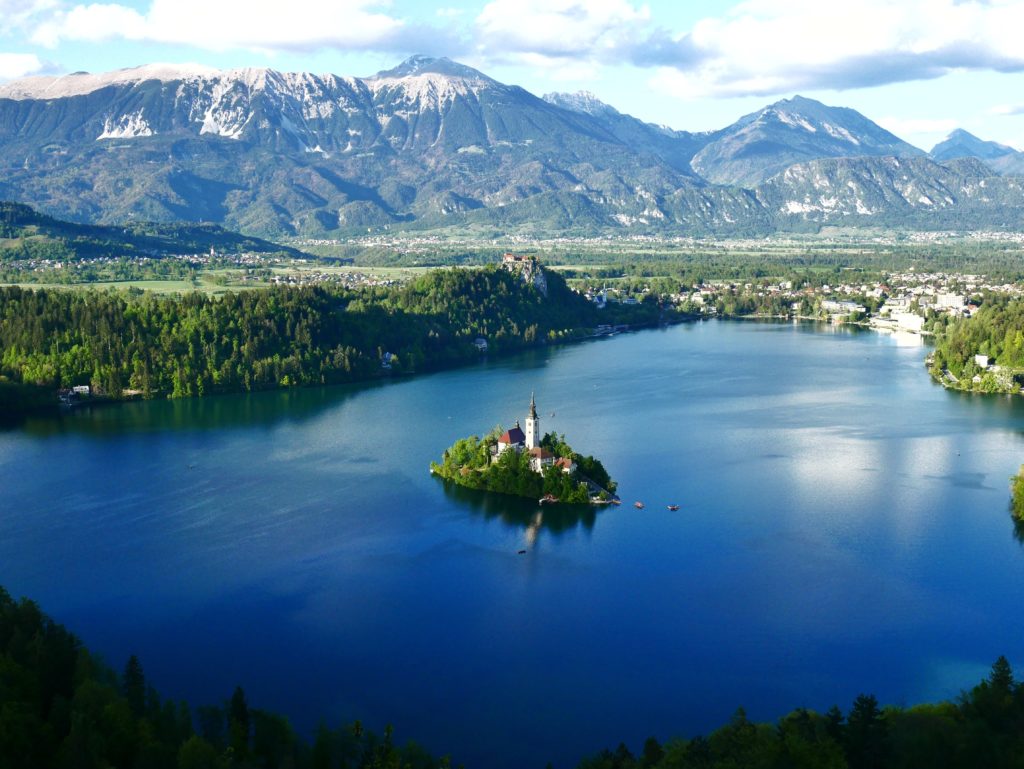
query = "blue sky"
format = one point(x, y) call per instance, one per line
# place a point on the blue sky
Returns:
point(918, 67)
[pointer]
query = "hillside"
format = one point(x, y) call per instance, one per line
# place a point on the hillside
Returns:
point(27, 234)
point(434, 145)
point(894, 192)
point(193, 345)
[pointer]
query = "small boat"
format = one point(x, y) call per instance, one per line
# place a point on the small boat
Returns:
point(673, 507)
point(521, 552)
point(547, 499)
point(638, 505)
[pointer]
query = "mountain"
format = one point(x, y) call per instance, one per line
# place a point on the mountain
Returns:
point(295, 153)
point(433, 144)
point(999, 157)
point(961, 144)
point(761, 144)
point(676, 148)
point(890, 191)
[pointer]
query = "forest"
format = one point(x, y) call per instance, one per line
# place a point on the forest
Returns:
point(136, 344)
point(983, 727)
point(996, 330)
point(61, 706)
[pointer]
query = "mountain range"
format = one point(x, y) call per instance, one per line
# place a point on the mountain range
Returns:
point(436, 144)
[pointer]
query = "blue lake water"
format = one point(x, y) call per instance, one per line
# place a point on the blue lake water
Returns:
point(843, 528)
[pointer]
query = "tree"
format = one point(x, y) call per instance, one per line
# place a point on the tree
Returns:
point(238, 723)
point(865, 734)
point(1001, 677)
point(133, 685)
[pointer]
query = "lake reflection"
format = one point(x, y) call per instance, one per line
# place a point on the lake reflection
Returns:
point(520, 513)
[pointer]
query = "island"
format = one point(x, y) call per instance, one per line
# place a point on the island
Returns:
point(520, 463)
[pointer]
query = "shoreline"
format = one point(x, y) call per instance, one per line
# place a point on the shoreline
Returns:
point(13, 417)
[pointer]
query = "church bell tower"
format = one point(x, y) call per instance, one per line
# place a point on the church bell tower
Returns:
point(532, 426)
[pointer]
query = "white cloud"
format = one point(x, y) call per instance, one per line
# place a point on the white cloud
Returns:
point(229, 24)
point(18, 15)
point(903, 126)
point(14, 65)
point(763, 47)
point(587, 29)
point(1007, 109)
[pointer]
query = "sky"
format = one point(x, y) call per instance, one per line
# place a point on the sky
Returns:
point(920, 68)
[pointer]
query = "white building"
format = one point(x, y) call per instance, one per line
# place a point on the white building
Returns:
point(532, 426)
point(908, 321)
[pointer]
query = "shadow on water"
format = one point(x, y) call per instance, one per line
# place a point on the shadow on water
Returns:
point(520, 513)
point(215, 412)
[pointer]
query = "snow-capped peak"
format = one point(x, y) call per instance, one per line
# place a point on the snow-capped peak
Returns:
point(80, 83)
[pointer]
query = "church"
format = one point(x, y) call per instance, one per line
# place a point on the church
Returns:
point(516, 440)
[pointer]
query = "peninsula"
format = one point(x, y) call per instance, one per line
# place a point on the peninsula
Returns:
point(523, 464)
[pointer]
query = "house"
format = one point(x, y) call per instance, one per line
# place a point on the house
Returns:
point(481, 344)
point(982, 361)
point(566, 465)
point(540, 458)
point(841, 308)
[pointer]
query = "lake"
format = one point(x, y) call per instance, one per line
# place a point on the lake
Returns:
point(843, 528)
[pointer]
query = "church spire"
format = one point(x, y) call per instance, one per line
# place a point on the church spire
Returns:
point(532, 426)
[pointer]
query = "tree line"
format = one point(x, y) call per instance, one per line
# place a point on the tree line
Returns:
point(983, 727)
point(134, 343)
point(62, 707)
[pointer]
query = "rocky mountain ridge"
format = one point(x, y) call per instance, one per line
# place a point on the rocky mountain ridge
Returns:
point(433, 143)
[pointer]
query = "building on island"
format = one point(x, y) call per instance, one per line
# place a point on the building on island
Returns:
point(511, 439)
point(541, 458)
point(529, 441)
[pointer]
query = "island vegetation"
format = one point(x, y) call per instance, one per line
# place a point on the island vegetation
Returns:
point(477, 463)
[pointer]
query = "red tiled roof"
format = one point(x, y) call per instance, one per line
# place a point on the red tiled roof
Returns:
point(541, 452)
point(515, 435)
